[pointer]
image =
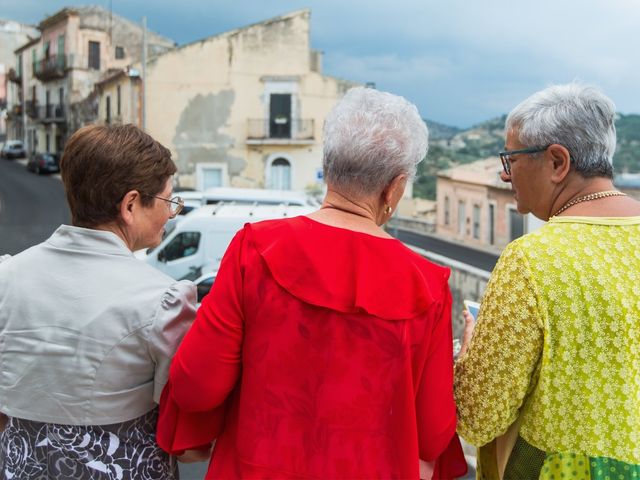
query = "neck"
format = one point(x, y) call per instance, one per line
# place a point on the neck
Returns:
point(345, 204)
point(118, 229)
point(579, 188)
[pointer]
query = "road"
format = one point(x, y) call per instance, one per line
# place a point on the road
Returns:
point(476, 258)
point(33, 206)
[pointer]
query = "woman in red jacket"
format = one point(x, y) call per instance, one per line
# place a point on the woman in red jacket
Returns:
point(324, 349)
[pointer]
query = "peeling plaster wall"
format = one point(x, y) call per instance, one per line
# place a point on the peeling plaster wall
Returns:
point(199, 136)
point(201, 96)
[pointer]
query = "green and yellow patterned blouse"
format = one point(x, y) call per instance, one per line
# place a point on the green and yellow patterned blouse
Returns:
point(557, 344)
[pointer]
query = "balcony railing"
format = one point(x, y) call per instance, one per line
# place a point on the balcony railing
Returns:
point(14, 76)
point(280, 130)
point(31, 108)
point(52, 113)
point(50, 68)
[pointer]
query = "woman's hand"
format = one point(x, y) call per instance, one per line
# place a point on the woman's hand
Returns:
point(192, 456)
point(426, 469)
point(3, 421)
point(469, 323)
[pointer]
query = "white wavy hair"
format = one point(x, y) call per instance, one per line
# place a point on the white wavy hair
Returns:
point(370, 137)
point(579, 117)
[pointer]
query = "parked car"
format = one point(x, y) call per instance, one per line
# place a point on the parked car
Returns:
point(204, 284)
point(13, 149)
point(44, 163)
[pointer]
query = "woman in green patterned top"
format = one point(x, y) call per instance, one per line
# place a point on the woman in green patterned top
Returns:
point(549, 385)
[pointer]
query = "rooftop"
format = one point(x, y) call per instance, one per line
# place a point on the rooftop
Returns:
point(482, 172)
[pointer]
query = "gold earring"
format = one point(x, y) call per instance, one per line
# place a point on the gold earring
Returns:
point(388, 210)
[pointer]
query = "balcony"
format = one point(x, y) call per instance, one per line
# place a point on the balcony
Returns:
point(280, 131)
point(14, 76)
point(14, 112)
point(52, 113)
point(50, 68)
point(31, 108)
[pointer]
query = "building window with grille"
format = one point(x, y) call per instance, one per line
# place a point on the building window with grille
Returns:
point(119, 53)
point(107, 117)
point(462, 218)
point(446, 211)
point(280, 174)
point(94, 55)
point(476, 221)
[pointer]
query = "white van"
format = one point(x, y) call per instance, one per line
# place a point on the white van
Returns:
point(194, 199)
point(198, 242)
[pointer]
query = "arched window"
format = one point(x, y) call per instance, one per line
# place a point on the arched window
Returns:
point(280, 174)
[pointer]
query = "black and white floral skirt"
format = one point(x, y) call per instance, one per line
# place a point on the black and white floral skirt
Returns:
point(122, 451)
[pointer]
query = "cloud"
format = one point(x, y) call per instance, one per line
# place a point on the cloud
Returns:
point(459, 61)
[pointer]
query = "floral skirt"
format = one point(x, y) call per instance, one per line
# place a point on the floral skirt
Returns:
point(122, 451)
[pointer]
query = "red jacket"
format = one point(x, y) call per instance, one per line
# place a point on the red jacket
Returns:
point(320, 352)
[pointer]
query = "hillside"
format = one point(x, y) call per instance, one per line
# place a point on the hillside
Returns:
point(450, 146)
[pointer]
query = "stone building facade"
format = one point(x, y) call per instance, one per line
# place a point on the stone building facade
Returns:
point(475, 207)
point(244, 108)
point(56, 73)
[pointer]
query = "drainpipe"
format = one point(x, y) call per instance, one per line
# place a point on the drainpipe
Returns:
point(144, 73)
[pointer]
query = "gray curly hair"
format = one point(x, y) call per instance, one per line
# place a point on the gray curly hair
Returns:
point(579, 117)
point(370, 137)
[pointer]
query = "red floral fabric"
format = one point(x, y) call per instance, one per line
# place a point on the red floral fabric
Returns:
point(319, 353)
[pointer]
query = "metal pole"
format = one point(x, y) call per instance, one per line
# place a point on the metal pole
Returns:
point(144, 73)
point(23, 80)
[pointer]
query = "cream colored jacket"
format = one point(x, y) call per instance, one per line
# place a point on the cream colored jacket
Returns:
point(87, 331)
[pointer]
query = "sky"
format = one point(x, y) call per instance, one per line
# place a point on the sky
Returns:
point(460, 61)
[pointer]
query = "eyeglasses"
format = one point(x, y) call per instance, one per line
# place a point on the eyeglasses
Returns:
point(505, 157)
point(176, 204)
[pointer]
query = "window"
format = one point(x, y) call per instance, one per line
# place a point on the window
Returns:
point(462, 218)
point(446, 210)
point(476, 221)
point(60, 51)
point(47, 49)
point(60, 96)
point(516, 224)
point(107, 116)
point(183, 245)
point(280, 174)
point(118, 97)
point(94, 55)
point(280, 115)
point(204, 286)
point(119, 53)
point(48, 109)
point(48, 142)
point(492, 224)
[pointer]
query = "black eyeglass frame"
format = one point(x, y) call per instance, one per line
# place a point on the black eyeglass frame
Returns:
point(178, 201)
point(504, 156)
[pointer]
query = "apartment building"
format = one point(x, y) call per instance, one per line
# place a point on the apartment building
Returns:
point(244, 108)
point(12, 35)
point(475, 207)
point(56, 73)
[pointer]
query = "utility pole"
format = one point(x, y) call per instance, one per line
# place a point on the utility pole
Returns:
point(144, 73)
point(23, 82)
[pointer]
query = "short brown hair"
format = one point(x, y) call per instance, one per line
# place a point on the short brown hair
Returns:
point(101, 163)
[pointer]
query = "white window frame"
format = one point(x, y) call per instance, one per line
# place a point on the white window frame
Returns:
point(272, 158)
point(202, 166)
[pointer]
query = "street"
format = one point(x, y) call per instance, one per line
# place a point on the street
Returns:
point(31, 207)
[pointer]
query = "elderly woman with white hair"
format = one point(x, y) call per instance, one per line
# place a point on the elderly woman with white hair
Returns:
point(325, 344)
point(549, 386)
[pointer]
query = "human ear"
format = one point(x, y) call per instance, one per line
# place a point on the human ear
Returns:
point(560, 159)
point(394, 191)
point(128, 206)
